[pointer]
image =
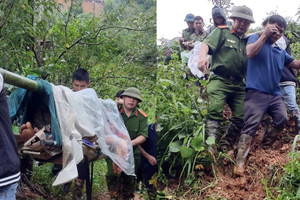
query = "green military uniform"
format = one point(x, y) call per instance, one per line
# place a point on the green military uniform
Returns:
point(123, 184)
point(225, 84)
point(228, 67)
point(186, 34)
point(198, 37)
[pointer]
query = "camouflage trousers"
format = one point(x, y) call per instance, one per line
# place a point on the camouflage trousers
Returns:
point(120, 186)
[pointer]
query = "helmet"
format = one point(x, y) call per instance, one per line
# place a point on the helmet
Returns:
point(189, 18)
point(132, 92)
point(242, 12)
point(217, 11)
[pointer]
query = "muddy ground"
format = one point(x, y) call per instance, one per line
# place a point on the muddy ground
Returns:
point(261, 164)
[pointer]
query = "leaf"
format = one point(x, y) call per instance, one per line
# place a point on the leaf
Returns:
point(211, 140)
point(181, 135)
point(186, 152)
point(197, 144)
point(174, 147)
point(15, 129)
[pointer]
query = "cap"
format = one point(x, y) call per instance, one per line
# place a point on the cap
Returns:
point(189, 18)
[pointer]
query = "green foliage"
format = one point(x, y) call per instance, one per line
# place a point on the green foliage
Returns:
point(43, 177)
point(181, 116)
point(287, 185)
point(118, 48)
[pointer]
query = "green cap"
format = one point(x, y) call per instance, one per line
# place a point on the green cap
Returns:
point(243, 12)
point(132, 92)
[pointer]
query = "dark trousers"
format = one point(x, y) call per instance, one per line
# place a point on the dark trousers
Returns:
point(257, 104)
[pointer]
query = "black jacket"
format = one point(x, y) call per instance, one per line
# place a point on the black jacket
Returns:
point(288, 74)
point(9, 157)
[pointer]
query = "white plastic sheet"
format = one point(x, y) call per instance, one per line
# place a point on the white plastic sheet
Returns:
point(83, 114)
point(194, 59)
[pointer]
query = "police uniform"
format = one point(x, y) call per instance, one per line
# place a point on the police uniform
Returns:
point(226, 85)
point(123, 186)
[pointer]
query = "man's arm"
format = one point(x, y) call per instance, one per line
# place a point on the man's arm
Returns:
point(203, 63)
point(295, 64)
point(138, 140)
point(150, 158)
point(253, 48)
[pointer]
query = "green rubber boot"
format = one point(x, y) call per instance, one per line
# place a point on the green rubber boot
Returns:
point(243, 150)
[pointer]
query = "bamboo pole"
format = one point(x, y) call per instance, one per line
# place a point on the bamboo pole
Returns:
point(18, 80)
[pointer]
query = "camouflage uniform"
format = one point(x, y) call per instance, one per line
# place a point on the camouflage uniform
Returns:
point(198, 37)
point(186, 34)
point(123, 186)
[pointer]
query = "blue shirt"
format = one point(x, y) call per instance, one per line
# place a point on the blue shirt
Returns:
point(265, 69)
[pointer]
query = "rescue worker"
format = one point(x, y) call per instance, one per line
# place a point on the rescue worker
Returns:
point(80, 81)
point(185, 40)
point(219, 18)
point(186, 33)
point(122, 186)
point(228, 67)
point(266, 62)
point(199, 34)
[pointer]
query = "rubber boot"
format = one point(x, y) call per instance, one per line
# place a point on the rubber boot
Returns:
point(296, 118)
point(212, 127)
point(232, 134)
point(243, 150)
point(270, 137)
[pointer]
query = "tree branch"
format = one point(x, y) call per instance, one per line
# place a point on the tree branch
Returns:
point(67, 22)
point(4, 20)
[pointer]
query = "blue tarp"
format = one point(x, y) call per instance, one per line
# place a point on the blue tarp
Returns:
point(24, 104)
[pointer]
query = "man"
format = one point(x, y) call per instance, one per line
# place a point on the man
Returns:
point(264, 71)
point(122, 186)
point(80, 81)
point(186, 33)
point(228, 49)
point(149, 167)
point(10, 161)
point(185, 40)
point(287, 85)
point(199, 34)
point(118, 99)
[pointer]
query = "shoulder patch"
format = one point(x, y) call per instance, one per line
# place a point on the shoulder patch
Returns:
point(142, 112)
point(223, 26)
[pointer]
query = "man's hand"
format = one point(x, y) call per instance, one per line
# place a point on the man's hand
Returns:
point(119, 101)
point(203, 64)
point(151, 160)
point(270, 29)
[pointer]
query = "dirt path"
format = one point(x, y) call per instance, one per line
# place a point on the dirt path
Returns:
point(261, 164)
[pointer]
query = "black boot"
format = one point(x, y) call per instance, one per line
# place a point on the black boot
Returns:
point(296, 118)
point(243, 150)
point(211, 128)
point(270, 137)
